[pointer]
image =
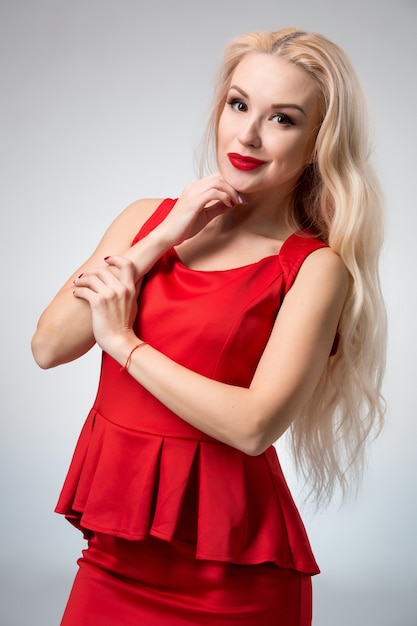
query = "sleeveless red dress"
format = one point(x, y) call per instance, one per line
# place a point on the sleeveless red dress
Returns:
point(146, 486)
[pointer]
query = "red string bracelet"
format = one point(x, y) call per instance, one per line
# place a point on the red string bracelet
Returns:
point(126, 365)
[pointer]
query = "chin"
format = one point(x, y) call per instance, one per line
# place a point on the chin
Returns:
point(239, 181)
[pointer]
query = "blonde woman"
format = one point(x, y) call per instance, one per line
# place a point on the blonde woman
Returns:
point(248, 306)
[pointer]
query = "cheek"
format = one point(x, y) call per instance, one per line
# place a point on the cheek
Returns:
point(301, 150)
point(288, 149)
point(223, 131)
point(308, 152)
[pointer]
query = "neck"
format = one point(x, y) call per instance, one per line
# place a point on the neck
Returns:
point(269, 217)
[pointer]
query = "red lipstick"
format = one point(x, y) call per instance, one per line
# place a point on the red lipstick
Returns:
point(244, 163)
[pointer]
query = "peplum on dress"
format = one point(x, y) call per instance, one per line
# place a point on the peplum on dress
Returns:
point(142, 476)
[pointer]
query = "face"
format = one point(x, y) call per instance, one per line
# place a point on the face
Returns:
point(268, 126)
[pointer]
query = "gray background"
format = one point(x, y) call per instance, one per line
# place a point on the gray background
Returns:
point(104, 102)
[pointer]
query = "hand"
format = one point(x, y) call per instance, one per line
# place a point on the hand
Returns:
point(199, 203)
point(112, 294)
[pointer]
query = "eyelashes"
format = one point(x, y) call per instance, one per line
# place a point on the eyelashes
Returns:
point(241, 107)
point(237, 104)
point(283, 119)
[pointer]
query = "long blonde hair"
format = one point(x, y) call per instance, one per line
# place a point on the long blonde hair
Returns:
point(339, 197)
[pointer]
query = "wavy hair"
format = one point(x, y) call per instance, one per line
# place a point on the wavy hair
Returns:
point(338, 197)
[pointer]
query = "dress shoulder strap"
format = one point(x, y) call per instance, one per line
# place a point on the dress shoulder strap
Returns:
point(293, 253)
point(155, 219)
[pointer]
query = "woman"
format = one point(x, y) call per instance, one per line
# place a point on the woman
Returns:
point(249, 306)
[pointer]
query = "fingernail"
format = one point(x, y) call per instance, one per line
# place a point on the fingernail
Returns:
point(242, 199)
point(75, 279)
point(106, 257)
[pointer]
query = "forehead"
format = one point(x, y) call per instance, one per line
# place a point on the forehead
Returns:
point(274, 78)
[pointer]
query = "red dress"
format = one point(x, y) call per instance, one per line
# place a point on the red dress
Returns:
point(184, 529)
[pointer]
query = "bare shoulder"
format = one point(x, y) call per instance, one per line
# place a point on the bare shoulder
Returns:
point(127, 224)
point(323, 271)
point(325, 260)
point(138, 212)
point(143, 206)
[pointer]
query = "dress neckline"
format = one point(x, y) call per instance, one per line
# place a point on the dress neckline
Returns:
point(270, 257)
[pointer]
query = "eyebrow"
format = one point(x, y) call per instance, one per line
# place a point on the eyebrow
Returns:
point(281, 105)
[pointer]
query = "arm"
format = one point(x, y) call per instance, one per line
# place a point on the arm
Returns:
point(289, 369)
point(64, 331)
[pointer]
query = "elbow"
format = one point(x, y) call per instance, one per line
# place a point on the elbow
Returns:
point(263, 427)
point(43, 351)
point(252, 449)
point(41, 354)
point(257, 438)
point(255, 446)
point(50, 351)
point(44, 364)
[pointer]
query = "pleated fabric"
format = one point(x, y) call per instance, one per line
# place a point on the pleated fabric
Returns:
point(230, 506)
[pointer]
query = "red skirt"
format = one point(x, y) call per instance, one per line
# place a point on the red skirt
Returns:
point(156, 583)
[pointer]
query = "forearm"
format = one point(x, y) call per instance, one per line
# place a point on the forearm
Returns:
point(146, 252)
point(65, 331)
point(237, 416)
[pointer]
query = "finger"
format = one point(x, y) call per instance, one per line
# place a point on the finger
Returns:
point(95, 281)
point(220, 197)
point(119, 261)
point(126, 267)
point(87, 294)
point(218, 208)
point(213, 188)
point(105, 276)
point(104, 299)
point(223, 185)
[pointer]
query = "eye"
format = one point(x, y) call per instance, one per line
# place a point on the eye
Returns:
point(282, 119)
point(237, 104)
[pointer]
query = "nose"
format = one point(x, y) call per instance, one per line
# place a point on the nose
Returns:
point(249, 134)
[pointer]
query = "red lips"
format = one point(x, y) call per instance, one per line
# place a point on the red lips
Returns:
point(244, 163)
